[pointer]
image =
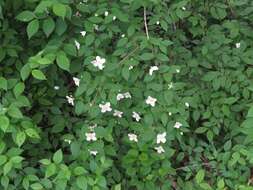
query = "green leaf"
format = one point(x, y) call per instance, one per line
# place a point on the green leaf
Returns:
point(7, 167)
point(32, 28)
point(37, 186)
point(25, 16)
point(200, 176)
point(59, 10)
point(62, 60)
point(3, 159)
point(4, 123)
point(25, 72)
point(81, 182)
point(57, 158)
point(38, 74)
point(250, 112)
point(146, 56)
point(20, 138)
point(48, 26)
point(19, 89)
point(14, 112)
point(51, 170)
point(125, 73)
point(3, 83)
point(16, 159)
point(32, 133)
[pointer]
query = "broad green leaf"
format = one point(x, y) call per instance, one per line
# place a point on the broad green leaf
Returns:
point(32, 133)
point(62, 60)
point(200, 176)
point(146, 56)
point(3, 83)
point(16, 159)
point(4, 123)
point(18, 89)
point(32, 28)
point(25, 72)
point(38, 74)
point(25, 16)
point(57, 158)
point(51, 170)
point(15, 112)
point(7, 167)
point(48, 26)
point(81, 182)
point(37, 186)
point(20, 138)
point(59, 10)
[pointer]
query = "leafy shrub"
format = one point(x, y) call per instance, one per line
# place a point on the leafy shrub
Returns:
point(143, 94)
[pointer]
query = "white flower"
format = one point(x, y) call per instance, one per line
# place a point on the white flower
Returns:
point(114, 18)
point(177, 125)
point(83, 33)
point(136, 116)
point(91, 136)
point(177, 70)
point(157, 22)
point(130, 67)
point(132, 137)
point(151, 101)
point(161, 138)
point(93, 152)
point(77, 44)
point(105, 107)
point(117, 113)
point(159, 149)
point(183, 8)
point(181, 133)
point(123, 35)
point(152, 69)
point(106, 13)
point(238, 45)
point(187, 104)
point(127, 95)
point(99, 62)
point(120, 96)
point(70, 99)
point(56, 87)
point(170, 85)
point(76, 81)
point(170, 113)
point(67, 140)
point(96, 14)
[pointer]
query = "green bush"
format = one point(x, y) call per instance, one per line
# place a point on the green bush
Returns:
point(126, 94)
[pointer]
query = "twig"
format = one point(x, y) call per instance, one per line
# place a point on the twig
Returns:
point(128, 55)
point(145, 22)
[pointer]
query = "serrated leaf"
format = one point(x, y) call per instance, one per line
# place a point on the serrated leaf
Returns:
point(32, 133)
point(32, 28)
point(62, 60)
point(81, 182)
point(48, 26)
point(18, 89)
point(25, 16)
point(200, 176)
point(3, 83)
point(57, 158)
point(4, 123)
point(59, 10)
point(20, 138)
point(38, 74)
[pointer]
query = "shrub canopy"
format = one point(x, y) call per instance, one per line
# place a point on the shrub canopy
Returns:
point(126, 94)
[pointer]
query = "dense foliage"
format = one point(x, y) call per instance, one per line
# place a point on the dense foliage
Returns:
point(126, 94)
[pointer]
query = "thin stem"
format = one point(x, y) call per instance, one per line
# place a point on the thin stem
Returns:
point(145, 22)
point(128, 55)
